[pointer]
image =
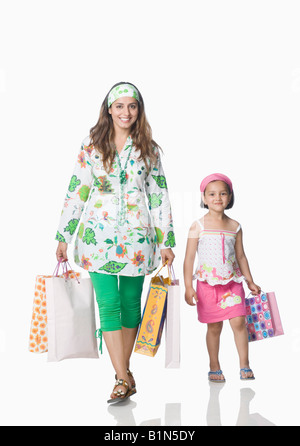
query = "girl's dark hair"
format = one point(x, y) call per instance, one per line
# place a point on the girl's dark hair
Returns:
point(230, 204)
point(102, 134)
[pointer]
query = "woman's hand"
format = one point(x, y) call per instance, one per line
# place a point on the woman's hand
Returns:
point(167, 255)
point(61, 252)
point(190, 296)
point(255, 289)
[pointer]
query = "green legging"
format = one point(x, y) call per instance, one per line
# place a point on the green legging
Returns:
point(119, 304)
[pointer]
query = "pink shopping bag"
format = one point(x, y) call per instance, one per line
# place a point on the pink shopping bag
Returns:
point(262, 317)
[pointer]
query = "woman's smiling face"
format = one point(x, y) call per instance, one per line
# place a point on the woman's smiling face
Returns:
point(124, 112)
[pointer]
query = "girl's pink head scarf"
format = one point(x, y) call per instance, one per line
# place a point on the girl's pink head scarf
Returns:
point(215, 177)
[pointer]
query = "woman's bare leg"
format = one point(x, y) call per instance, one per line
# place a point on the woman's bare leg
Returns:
point(115, 345)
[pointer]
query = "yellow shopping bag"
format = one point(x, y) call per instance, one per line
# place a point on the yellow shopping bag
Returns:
point(152, 323)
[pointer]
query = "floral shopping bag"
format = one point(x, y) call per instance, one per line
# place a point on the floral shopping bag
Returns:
point(262, 317)
point(38, 337)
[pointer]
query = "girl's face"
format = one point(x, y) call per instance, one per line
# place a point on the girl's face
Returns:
point(124, 112)
point(216, 196)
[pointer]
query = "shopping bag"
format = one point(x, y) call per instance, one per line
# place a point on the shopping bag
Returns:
point(172, 327)
point(262, 317)
point(38, 336)
point(71, 319)
point(152, 323)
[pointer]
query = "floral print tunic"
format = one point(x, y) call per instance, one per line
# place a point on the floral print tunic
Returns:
point(116, 233)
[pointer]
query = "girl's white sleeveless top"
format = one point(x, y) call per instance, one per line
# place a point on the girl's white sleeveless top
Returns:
point(217, 264)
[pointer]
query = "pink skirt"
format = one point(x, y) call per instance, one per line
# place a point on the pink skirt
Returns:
point(220, 302)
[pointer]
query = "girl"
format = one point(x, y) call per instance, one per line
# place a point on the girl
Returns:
point(118, 165)
point(222, 266)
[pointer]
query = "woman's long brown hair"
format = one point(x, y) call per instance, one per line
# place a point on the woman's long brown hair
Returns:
point(102, 134)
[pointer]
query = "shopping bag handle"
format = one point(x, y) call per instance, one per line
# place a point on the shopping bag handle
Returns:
point(260, 294)
point(171, 268)
point(161, 268)
point(157, 274)
point(56, 271)
point(60, 264)
point(65, 266)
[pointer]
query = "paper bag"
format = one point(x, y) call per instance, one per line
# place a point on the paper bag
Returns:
point(71, 319)
point(38, 337)
point(172, 328)
point(152, 323)
point(262, 317)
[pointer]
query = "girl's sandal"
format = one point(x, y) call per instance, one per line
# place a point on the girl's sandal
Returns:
point(219, 381)
point(246, 370)
point(120, 394)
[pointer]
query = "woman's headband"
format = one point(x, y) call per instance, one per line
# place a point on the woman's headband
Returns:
point(215, 177)
point(122, 90)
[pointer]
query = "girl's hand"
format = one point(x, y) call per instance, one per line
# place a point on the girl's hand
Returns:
point(191, 296)
point(167, 255)
point(61, 252)
point(255, 289)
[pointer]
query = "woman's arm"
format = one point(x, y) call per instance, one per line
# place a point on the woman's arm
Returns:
point(76, 197)
point(160, 210)
point(188, 265)
point(243, 263)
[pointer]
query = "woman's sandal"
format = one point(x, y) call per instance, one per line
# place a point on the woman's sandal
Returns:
point(218, 372)
point(129, 373)
point(120, 394)
point(246, 370)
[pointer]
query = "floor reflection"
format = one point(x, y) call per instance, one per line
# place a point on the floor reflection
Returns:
point(123, 412)
point(245, 418)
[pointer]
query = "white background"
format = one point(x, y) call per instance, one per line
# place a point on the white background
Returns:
point(221, 85)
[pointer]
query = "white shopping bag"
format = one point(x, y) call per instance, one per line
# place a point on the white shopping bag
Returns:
point(71, 319)
point(38, 338)
point(172, 328)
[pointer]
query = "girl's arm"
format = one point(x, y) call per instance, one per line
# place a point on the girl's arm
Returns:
point(188, 266)
point(243, 263)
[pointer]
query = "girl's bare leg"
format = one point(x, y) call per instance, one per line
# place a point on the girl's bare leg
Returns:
point(213, 345)
point(238, 325)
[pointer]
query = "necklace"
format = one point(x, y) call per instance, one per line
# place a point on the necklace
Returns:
point(123, 180)
point(122, 172)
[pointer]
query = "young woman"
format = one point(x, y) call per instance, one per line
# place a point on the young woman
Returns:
point(118, 240)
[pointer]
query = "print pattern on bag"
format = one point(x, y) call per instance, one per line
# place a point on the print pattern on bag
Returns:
point(38, 337)
point(259, 321)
